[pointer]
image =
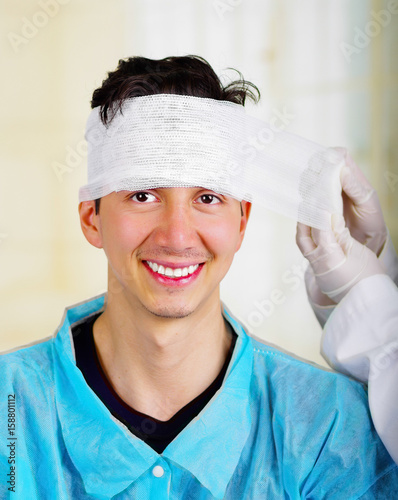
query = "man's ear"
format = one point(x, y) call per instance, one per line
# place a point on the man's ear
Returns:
point(90, 223)
point(245, 209)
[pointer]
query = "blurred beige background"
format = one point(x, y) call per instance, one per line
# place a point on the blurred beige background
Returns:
point(330, 67)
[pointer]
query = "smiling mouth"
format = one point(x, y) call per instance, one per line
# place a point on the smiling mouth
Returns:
point(175, 272)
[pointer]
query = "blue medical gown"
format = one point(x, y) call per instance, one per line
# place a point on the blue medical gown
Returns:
point(278, 428)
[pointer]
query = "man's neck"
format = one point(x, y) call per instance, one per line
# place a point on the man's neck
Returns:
point(158, 365)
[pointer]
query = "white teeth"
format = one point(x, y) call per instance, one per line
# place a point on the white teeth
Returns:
point(172, 273)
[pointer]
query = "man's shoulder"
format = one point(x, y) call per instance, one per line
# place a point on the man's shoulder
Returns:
point(273, 361)
point(306, 393)
point(270, 357)
point(313, 401)
point(301, 383)
point(264, 350)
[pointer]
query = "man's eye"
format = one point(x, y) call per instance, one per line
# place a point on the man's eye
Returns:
point(209, 199)
point(143, 197)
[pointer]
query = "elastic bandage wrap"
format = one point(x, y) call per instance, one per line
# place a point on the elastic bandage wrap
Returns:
point(167, 140)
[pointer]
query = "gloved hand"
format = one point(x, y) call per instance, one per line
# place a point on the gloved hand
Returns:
point(362, 212)
point(338, 261)
point(328, 251)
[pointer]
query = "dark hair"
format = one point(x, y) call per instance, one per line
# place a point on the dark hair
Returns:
point(183, 75)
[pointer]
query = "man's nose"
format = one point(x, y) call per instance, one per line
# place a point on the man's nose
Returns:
point(176, 229)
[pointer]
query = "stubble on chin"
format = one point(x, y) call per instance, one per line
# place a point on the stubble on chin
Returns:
point(170, 312)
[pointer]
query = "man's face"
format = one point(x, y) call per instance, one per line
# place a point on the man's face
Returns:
point(167, 249)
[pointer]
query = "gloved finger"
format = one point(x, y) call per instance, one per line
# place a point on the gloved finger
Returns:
point(304, 239)
point(361, 207)
point(324, 239)
point(341, 233)
point(328, 253)
point(309, 239)
point(314, 292)
point(359, 264)
point(354, 183)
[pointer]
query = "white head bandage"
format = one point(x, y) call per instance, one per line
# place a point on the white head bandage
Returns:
point(168, 140)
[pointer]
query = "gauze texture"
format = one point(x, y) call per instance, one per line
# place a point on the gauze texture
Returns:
point(168, 140)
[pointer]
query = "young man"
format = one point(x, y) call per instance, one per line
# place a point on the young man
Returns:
point(155, 390)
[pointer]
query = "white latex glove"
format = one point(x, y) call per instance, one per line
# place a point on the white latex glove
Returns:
point(363, 217)
point(362, 211)
point(338, 261)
